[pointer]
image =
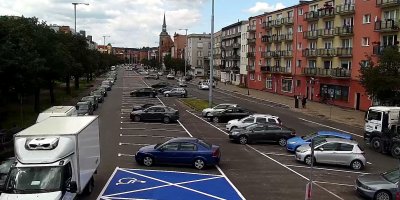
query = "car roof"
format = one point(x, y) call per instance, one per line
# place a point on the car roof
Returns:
point(341, 140)
point(184, 139)
point(228, 104)
point(339, 134)
point(83, 102)
point(264, 115)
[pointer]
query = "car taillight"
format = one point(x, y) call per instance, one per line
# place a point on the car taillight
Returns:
point(215, 153)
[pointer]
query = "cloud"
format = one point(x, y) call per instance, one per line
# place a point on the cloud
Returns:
point(130, 23)
point(261, 7)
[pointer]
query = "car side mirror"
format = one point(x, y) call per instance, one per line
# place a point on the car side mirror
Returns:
point(72, 187)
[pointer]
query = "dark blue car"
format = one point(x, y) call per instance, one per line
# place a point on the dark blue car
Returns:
point(180, 151)
point(295, 142)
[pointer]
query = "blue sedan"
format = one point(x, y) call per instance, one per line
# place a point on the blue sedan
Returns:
point(180, 151)
point(295, 142)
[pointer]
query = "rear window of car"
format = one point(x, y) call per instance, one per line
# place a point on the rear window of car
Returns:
point(345, 147)
point(204, 144)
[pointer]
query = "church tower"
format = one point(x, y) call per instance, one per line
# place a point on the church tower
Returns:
point(165, 43)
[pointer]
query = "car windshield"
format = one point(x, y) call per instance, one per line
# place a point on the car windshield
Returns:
point(5, 166)
point(309, 136)
point(86, 99)
point(317, 142)
point(34, 179)
point(391, 176)
point(374, 115)
point(83, 106)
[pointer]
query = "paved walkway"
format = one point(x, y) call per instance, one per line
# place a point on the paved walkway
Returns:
point(342, 115)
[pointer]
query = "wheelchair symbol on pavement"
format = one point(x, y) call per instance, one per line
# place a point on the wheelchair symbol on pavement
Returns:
point(129, 180)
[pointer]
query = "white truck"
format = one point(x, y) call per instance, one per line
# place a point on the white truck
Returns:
point(57, 111)
point(55, 159)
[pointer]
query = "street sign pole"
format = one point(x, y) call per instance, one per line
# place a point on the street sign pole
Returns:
point(309, 186)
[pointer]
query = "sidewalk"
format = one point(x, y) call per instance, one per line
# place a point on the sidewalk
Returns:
point(342, 115)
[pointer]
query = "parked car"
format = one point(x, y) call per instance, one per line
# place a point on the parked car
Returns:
point(144, 92)
point(98, 94)
point(107, 82)
point(152, 76)
point(262, 132)
point(84, 108)
point(103, 91)
point(203, 86)
point(170, 76)
point(143, 72)
point(333, 151)
point(166, 88)
point(181, 92)
point(142, 107)
point(297, 141)
point(160, 73)
point(93, 100)
point(155, 113)
point(111, 79)
point(5, 167)
point(181, 151)
point(107, 87)
point(228, 114)
point(160, 85)
point(381, 186)
point(256, 118)
point(208, 111)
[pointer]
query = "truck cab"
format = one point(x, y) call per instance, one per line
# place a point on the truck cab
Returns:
point(378, 119)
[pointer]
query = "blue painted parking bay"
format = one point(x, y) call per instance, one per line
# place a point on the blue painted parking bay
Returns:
point(155, 184)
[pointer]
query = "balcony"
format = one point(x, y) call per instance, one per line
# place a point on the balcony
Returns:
point(277, 23)
point(388, 25)
point(266, 38)
point(344, 31)
point(310, 34)
point(345, 9)
point(233, 57)
point(309, 52)
point(325, 33)
point(344, 52)
point(238, 34)
point(268, 24)
point(321, 72)
point(251, 28)
point(378, 50)
point(387, 3)
point(251, 40)
point(287, 21)
point(236, 45)
point(311, 16)
point(286, 53)
point(281, 70)
point(281, 38)
point(309, 71)
point(250, 55)
point(265, 69)
point(250, 68)
point(289, 37)
point(326, 52)
point(217, 56)
point(270, 54)
point(326, 12)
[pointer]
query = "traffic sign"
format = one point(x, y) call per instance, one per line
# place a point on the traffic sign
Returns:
point(157, 184)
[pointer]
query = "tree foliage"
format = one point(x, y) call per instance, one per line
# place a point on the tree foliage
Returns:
point(383, 80)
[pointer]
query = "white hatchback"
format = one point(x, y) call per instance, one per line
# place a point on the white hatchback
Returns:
point(256, 118)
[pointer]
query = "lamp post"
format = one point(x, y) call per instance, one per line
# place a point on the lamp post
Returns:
point(184, 55)
point(211, 58)
point(75, 11)
point(104, 40)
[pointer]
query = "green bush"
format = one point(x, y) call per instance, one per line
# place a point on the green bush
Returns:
point(196, 104)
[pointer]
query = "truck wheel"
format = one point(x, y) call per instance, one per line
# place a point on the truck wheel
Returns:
point(376, 144)
point(395, 150)
point(89, 187)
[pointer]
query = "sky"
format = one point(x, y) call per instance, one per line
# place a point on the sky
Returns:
point(137, 23)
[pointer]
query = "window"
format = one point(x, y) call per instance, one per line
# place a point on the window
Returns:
point(298, 63)
point(336, 92)
point(200, 44)
point(299, 46)
point(199, 62)
point(367, 19)
point(199, 53)
point(271, 120)
point(298, 83)
point(259, 77)
point(287, 85)
point(364, 63)
point(187, 147)
point(374, 115)
point(365, 41)
point(390, 14)
point(328, 24)
point(248, 120)
point(273, 127)
point(329, 147)
point(170, 147)
point(314, 7)
point(268, 83)
point(300, 11)
point(345, 147)
point(251, 76)
point(160, 110)
point(328, 44)
point(389, 40)
point(346, 43)
point(312, 45)
point(345, 64)
point(327, 64)
point(312, 63)
point(300, 28)
point(261, 120)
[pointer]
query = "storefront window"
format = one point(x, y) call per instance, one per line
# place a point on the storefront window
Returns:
point(335, 92)
point(268, 83)
point(287, 85)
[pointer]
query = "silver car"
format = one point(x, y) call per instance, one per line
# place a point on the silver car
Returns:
point(333, 151)
point(378, 186)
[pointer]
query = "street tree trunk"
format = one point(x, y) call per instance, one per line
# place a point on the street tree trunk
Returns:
point(76, 82)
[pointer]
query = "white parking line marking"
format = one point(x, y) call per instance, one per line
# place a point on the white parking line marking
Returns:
point(331, 127)
point(369, 163)
point(340, 184)
point(132, 128)
point(153, 136)
point(153, 129)
point(123, 154)
point(277, 162)
point(327, 169)
point(132, 144)
point(278, 154)
point(154, 123)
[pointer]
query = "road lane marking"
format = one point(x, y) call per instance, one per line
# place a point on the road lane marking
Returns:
point(327, 169)
point(123, 154)
point(330, 127)
point(277, 162)
point(132, 144)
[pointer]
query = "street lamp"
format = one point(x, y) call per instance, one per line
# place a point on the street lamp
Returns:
point(104, 40)
point(210, 103)
point(184, 55)
point(75, 11)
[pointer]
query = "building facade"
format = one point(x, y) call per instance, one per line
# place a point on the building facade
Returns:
point(243, 54)
point(178, 50)
point(314, 49)
point(217, 62)
point(231, 52)
point(198, 53)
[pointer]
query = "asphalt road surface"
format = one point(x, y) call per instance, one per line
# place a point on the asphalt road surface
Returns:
point(257, 171)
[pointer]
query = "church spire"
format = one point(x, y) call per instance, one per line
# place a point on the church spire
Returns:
point(164, 26)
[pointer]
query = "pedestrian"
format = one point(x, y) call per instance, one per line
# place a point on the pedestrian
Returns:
point(304, 101)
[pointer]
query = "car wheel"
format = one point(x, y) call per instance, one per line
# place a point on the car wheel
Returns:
point(182, 95)
point(167, 95)
point(308, 160)
point(243, 139)
point(199, 163)
point(356, 165)
point(89, 187)
point(282, 142)
point(147, 161)
point(382, 195)
point(395, 150)
point(215, 119)
point(136, 118)
point(376, 144)
point(208, 114)
point(166, 120)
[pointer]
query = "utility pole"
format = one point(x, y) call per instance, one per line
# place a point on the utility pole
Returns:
point(210, 103)
point(75, 12)
point(186, 39)
point(104, 40)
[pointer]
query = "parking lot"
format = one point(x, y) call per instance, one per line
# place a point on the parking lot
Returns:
point(253, 170)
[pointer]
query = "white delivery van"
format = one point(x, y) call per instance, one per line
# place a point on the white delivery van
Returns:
point(55, 159)
point(380, 118)
point(56, 111)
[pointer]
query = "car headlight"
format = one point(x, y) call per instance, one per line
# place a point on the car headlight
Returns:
point(235, 133)
point(302, 151)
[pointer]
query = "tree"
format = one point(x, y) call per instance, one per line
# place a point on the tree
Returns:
point(383, 81)
point(168, 62)
point(179, 65)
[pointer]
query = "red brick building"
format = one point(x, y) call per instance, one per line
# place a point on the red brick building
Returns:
point(179, 46)
point(165, 42)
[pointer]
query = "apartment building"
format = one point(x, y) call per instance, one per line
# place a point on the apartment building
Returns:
point(243, 53)
point(231, 52)
point(315, 48)
point(217, 61)
point(198, 52)
point(178, 49)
